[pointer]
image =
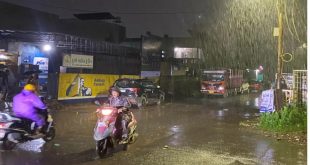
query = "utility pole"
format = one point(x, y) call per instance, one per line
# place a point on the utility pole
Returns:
point(278, 93)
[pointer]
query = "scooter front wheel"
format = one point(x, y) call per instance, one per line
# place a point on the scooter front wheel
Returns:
point(102, 148)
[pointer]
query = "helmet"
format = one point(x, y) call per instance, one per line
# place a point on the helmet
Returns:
point(116, 89)
point(29, 87)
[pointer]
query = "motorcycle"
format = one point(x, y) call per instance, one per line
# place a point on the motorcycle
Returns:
point(14, 130)
point(108, 129)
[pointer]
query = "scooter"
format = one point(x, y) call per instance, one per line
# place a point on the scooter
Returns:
point(108, 129)
point(14, 130)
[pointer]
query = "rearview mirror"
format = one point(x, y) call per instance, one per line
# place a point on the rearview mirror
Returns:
point(97, 103)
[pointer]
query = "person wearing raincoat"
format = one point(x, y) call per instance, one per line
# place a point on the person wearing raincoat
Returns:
point(26, 104)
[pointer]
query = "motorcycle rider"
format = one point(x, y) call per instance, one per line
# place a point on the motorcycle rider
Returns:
point(25, 105)
point(116, 100)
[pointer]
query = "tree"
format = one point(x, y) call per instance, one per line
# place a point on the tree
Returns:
point(239, 34)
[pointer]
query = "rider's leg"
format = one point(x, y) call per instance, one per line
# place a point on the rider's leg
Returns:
point(124, 127)
point(39, 120)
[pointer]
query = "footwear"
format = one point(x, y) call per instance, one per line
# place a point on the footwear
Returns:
point(124, 140)
point(37, 136)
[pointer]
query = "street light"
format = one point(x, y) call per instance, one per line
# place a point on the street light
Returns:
point(47, 47)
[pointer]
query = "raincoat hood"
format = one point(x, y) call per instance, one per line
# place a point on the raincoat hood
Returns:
point(26, 92)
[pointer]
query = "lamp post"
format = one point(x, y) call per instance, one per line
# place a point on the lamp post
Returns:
point(278, 100)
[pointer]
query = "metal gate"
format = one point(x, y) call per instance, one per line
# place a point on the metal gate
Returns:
point(300, 86)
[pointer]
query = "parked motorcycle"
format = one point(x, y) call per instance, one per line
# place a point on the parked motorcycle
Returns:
point(108, 129)
point(14, 130)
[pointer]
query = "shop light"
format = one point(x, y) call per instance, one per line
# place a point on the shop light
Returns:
point(3, 57)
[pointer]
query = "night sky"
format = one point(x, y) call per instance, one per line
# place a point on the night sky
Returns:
point(172, 17)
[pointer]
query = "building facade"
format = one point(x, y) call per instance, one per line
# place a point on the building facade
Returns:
point(42, 39)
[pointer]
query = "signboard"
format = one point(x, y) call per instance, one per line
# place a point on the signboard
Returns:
point(150, 73)
point(79, 86)
point(288, 80)
point(267, 101)
point(78, 61)
point(42, 62)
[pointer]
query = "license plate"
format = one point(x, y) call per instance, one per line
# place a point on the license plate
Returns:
point(211, 92)
point(122, 90)
point(101, 124)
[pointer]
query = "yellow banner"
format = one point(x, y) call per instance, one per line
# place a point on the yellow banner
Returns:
point(78, 86)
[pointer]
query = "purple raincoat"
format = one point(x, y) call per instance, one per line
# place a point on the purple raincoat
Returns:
point(25, 104)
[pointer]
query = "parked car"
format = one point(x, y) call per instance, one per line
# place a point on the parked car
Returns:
point(152, 91)
point(140, 91)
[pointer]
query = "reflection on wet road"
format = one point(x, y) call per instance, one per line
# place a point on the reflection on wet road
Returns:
point(191, 131)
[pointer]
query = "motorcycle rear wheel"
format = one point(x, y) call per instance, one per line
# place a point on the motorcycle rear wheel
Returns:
point(8, 145)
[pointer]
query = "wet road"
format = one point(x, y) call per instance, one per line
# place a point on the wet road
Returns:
point(192, 131)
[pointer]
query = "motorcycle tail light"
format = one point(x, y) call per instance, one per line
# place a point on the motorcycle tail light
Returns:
point(2, 125)
point(106, 112)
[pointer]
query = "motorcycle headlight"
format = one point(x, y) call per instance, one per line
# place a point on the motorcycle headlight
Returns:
point(106, 112)
point(2, 125)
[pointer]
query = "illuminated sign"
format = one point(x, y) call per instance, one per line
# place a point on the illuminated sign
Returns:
point(42, 62)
